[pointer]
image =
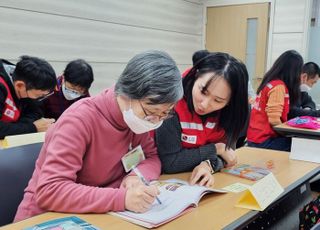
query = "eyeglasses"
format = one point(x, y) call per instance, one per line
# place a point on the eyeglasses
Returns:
point(45, 96)
point(150, 116)
point(74, 92)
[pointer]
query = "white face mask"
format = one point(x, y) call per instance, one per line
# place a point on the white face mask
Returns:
point(69, 94)
point(138, 125)
point(304, 88)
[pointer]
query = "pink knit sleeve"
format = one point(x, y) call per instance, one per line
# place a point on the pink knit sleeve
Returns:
point(151, 166)
point(57, 188)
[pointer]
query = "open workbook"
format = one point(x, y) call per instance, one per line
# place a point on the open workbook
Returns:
point(177, 197)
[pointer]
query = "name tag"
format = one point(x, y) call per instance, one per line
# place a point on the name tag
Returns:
point(188, 138)
point(210, 125)
point(132, 158)
point(9, 113)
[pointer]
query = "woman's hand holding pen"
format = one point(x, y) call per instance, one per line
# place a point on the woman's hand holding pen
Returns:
point(140, 198)
point(131, 181)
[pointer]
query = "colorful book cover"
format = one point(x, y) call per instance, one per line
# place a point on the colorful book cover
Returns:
point(67, 223)
point(247, 171)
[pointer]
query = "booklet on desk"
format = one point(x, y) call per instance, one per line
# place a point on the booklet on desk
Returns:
point(177, 197)
point(66, 223)
point(247, 171)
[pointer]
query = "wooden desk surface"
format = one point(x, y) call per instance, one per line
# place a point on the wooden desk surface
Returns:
point(287, 130)
point(214, 211)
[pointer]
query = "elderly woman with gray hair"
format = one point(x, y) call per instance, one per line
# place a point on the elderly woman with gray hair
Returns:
point(79, 168)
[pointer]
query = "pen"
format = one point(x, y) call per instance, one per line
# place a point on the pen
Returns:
point(139, 174)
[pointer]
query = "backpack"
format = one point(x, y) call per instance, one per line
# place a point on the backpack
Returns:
point(309, 216)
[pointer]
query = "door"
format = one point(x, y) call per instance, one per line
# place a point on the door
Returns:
point(241, 31)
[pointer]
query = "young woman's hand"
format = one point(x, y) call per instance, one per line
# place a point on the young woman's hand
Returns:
point(131, 181)
point(202, 175)
point(221, 148)
point(229, 155)
point(140, 198)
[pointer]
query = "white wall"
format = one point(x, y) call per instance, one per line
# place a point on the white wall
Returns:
point(105, 33)
point(108, 33)
point(291, 26)
point(288, 27)
point(314, 47)
point(314, 55)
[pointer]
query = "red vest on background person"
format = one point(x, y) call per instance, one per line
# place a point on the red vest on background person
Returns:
point(259, 127)
point(193, 132)
point(10, 112)
point(186, 72)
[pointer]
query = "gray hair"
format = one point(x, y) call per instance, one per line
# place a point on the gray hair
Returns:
point(152, 75)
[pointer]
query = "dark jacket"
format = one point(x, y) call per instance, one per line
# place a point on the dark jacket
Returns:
point(174, 157)
point(305, 107)
point(28, 107)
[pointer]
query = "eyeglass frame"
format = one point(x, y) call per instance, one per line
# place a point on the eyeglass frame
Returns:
point(73, 91)
point(151, 115)
point(44, 97)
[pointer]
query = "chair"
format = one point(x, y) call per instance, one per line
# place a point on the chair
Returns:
point(16, 168)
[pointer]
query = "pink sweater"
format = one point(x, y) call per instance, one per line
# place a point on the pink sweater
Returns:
point(79, 168)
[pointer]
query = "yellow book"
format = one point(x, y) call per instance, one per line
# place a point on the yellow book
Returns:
point(22, 139)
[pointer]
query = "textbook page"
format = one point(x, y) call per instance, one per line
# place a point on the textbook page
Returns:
point(176, 197)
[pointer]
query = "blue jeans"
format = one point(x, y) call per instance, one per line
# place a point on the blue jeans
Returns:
point(278, 143)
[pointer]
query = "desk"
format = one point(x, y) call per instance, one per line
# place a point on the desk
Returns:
point(214, 211)
point(22, 139)
point(290, 131)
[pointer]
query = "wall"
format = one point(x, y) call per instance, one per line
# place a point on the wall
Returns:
point(105, 33)
point(291, 26)
point(314, 47)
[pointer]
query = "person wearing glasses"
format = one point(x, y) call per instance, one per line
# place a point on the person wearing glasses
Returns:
point(201, 136)
point(79, 169)
point(20, 86)
point(72, 86)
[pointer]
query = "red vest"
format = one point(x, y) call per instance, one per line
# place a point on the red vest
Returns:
point(186, 72)
point(259, 128)
point(194, 133)
point(10, 112)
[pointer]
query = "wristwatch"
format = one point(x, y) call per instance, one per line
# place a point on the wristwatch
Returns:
point(210, 166)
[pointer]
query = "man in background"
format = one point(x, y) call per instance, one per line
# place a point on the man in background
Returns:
point(72, 86)
point(306, 106)
point(20, 86)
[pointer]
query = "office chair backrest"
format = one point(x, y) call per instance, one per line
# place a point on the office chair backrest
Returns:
point(16, 168)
